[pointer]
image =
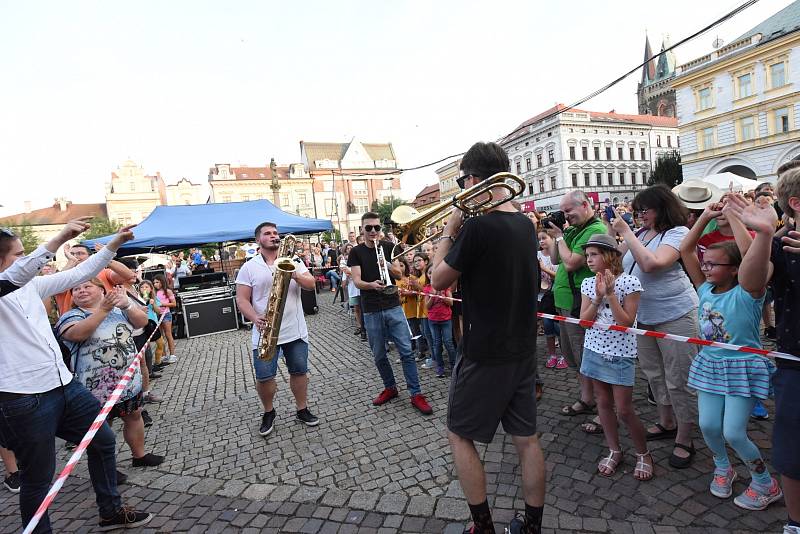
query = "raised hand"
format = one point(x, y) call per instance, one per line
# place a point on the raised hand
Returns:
point(712, 211)
point(608, 282)
point(122, 236)
point(618, 224)
point(74, 228)
point(599, 285)
point(762, 220)
point(109, 301)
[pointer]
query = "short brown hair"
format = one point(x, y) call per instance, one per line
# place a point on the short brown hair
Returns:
point(731, 249)
point(611, 258)
point(788, 187)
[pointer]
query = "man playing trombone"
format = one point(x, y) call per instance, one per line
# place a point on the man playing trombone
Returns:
point(383, 317)
point(494, 256)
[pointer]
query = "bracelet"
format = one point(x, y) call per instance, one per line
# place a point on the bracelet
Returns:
point(451, 238)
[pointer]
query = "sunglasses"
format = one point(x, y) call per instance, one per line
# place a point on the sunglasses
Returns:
point(7, 232)
point(461, 179)
point(372, 227)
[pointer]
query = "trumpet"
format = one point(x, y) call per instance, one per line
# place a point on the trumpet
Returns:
point(383, 269)
point(410, 224)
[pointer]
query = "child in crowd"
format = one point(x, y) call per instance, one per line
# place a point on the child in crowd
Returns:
point(439, 315)
point(547, 302)
point(731, 283)
point(148, 294)
point(166, 299)
point(609, 357)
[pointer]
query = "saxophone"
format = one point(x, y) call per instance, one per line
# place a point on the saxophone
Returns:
point(284, 268)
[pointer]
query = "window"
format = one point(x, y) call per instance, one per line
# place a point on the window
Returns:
point(541, 185)
point(622, 178)
point(361, 204)
point(633, 153)
point(572, 152)
point(744, 84)
point(608, 152)
point(530, 188)
point(284, 200)
point(644, 177)
point(538, 160)
point(132, 186)
point(599, 178)
point(329, 207)
point(226, 198)
point(704, 98)
point(658, 140)
point(747, 129)
point(552, 182)
point(519, 167)
point(302, 199)
point(643, 151)
point(528, 163)
point(359, 187)
point(585, 152)
point(782, 120)
point(708, 138)
point(777, 75)
point(586, 179)
point(597, 152)
point(669, 141)
point(620, 156)
point(611, 178)
point(245, 198)
point(574, 179)
point(551, 156)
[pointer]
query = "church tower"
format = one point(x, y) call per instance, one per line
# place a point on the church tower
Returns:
point(654, 93)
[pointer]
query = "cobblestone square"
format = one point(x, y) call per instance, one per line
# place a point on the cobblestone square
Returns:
point(374, 470)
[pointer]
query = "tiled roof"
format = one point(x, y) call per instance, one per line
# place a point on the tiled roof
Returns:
point(246, 172)
point(428, 195)
point(54, 215)
point(336, 151)
point(784, 21)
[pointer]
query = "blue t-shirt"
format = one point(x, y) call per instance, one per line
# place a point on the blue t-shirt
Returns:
point(731, 317)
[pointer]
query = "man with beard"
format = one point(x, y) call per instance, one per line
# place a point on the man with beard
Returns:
point(253, 287)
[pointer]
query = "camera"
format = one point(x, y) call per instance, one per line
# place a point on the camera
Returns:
point(555, 218)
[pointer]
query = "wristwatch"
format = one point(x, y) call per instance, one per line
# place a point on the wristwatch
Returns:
point(559, 238)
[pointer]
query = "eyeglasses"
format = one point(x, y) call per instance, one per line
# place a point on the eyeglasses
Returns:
point(372, 227)
point(7, 232)
point(708, 265)
point(461, 179)
point(643, 212)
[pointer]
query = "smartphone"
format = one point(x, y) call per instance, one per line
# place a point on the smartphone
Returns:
point(609, 213)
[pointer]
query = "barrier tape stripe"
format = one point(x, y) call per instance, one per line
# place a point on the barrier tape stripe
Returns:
point(646, 333)
point(93, 428)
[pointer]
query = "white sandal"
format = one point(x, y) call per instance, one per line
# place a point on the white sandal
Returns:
point(643, 467)
point(609, 463)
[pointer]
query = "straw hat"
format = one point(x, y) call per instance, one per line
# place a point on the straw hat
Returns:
point(697, 194)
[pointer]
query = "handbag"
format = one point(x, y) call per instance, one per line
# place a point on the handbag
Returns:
point(547, 303)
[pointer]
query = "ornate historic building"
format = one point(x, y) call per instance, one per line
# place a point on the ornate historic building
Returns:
point(131, 194)
point(656, 95)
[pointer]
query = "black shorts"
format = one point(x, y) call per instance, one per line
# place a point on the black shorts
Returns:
point(456, 307)
point(126, 407)
point(483, 395)
point(786, 430)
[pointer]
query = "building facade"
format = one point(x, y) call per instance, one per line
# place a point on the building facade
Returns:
point(655, 92)
point(610, 154)
point(184, 192)
point(348, 177)
point(447, 179)
point(287, 186)
point(429, 196)
point(131, 194)
point(739, 106)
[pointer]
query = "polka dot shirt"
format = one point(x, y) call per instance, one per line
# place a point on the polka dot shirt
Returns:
point(609, 342)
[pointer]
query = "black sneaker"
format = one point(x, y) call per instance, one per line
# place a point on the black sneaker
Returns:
point(125, 517)
point(11, 482)
point(122, 478)
point(148, 421)
point(518, 526)
point(148, 460)
point(69, 445)
point(307, 417)
point(267, 423)
point(363, 335)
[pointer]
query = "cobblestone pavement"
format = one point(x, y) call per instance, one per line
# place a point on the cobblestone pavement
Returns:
point(368, 469)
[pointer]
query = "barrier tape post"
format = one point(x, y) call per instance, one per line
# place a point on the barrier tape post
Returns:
point(640, 332)
point(93, 428)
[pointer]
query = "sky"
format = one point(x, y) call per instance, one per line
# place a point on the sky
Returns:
point(181, 85)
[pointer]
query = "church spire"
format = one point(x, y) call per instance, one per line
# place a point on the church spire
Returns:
point(649, 69)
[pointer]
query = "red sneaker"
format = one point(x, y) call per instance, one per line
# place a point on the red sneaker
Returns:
point(418, 401)
point(385, 396)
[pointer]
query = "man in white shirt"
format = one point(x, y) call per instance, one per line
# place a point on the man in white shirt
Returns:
point(39, 400)
point(181, 270)
point(253, 287)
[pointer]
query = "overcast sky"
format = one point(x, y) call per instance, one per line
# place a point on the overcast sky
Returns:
point(179, 86)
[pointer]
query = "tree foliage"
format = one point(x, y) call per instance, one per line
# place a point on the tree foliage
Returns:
point(384, 209)
point(101, 226)
point(668, 170)
point(28, 236)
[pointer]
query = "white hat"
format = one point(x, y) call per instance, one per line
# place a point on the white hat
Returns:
point(697, 194)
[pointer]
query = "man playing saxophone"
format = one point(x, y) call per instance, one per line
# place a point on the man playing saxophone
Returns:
point(253, 287)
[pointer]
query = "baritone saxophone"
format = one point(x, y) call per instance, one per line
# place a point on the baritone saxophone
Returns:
point(284, 269)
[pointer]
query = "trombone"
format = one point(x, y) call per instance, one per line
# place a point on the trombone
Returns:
point(410, 224)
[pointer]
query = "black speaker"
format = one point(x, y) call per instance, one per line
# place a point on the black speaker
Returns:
point(210, 316)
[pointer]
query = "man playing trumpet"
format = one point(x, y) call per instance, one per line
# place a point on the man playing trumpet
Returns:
point(253, 287)
point(382, 315)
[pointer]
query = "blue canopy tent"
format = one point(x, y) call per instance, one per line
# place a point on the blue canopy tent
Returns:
point(175, 227)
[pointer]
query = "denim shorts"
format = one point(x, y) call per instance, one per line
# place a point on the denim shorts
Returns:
point(296, 355)
point(354, 301)
point(786, 430)
point(168, 317)
point(614, 370)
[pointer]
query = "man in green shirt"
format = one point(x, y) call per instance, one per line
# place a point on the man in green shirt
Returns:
point(568, 255)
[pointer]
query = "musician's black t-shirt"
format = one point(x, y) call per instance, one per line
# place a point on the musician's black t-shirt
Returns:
point(496, 256)
point(367, 258)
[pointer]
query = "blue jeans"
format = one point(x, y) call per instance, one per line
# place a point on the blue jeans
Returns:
point(334, 278)
point(29, 425)
point(426, 331)
point(442, 332)
point(391, 324)
point(551, 328)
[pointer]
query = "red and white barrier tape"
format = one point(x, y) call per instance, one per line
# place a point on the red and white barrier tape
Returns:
point(640, 332)
point(87, 439)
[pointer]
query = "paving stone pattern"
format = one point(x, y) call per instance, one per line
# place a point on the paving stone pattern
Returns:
point(374, 470)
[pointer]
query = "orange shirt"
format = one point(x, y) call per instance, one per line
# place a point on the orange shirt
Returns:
point(64, 300)
point(408, 302)
point(422, 312)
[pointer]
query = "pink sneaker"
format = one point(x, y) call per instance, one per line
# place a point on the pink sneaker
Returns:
point(562, 363)
point(551, 361)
